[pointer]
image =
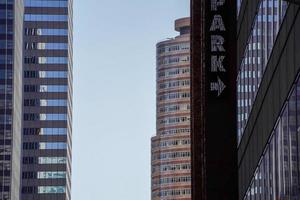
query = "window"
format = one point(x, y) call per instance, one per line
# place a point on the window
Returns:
point(45, 102)
point(45, 131)
point(52, 145)
point(51, 175)
point(45, 60)
point(46, 46)
point(51, 189)
point(44, 117)
point(44, 145)
point(45, 18)
point(40, 31)
point(45, 88)
point(48, 3)
point(52, 160)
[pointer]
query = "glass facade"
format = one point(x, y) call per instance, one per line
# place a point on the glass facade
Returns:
point(47, 101)
point(6, 98)
point(11, 22)
point(257, 53)
point(278, 173)
point(273, 146)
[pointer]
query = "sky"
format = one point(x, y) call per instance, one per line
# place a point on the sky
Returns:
point(114, 94)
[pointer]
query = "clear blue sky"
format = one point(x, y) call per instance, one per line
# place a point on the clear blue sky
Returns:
point(114, 94)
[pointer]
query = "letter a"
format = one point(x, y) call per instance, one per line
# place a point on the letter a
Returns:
point(217, 23)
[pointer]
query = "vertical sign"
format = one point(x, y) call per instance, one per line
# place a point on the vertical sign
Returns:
point(214, 145)
point(220, 108)
point(217, 65)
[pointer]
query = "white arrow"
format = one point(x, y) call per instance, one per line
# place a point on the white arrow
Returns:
point(218, 86)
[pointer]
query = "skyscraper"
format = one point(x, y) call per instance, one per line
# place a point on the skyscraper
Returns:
point(47, 102)
point(11, 21)
point(268, 99)
point(171, 155)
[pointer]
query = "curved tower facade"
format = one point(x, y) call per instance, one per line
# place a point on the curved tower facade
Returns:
point(171, 154)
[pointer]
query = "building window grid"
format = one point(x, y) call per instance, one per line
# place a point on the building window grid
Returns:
point(52, 189)
point(257, 53)
point(277, 175)
point(171, 167)
point(6, 59)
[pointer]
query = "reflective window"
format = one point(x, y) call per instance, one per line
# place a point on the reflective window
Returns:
point(47, 18)
point(53, 131)
point(51, 175)
point(45, 60)
point(6, 14)
point(6, 1)
point(45, 102)
point(51, 189)
point(46, 32)
point(174, 84)
point(172, 180)
point(5, 89)
point(6, 44)
point(172, 155)
point(53, 88)
point(184, 71)
point(168, 60)
point(52, 60)
point(46, 46)
point(52, 145)
point(53, 117)
point(45, 131)
point(6, 74)
point(5, 119)
point(52, 160)
point(174, 108)
point(256, 55)
point(171, 167)
point(46, 74)
point(172, 192)
point(45, 88)
point(45, 117)
point(175, 131)
point(173, 48)
point(277, 175)
point(43, 3)
point(170, 143)
point(174, 95)
point(6, 29)
point(175, 120)
point(6, 59)
point(53, 102)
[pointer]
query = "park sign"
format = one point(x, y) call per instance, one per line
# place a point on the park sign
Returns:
point(214, 72)
point(220, 108)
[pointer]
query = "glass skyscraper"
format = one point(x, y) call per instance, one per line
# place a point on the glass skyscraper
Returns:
point(47, 101)
point(268, 100)
point(256, 55)
point(171, 150)
point(11, 20)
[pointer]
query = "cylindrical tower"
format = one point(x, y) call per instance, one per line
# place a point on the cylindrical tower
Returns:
point(171, 154)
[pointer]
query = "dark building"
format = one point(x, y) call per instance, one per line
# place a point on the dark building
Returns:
point(213, 100)
point(268, 99)
point(11, 31)
point(47, 102)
